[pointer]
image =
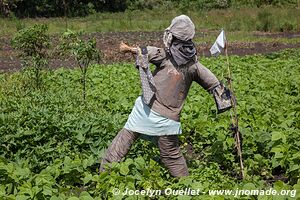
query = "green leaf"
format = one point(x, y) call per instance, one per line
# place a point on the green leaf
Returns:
point(184, 197)
point(277, 149)
point(249, 186)
point(55, 198)
point(88, 162)
point(80, 137)
point(73, 198)
point(277, 136)
point(294, 167)
point(139, 162)
point(85, 196)
point(87, 178)
point(124, 170)
point(2, 190)
point(48, 191)
point(22, 197)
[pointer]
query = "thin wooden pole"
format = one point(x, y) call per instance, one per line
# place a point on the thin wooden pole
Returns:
point(234, 117)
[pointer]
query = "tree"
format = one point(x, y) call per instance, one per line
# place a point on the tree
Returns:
point(4, 8)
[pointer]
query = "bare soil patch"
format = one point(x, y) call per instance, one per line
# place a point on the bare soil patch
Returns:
point(109, 42)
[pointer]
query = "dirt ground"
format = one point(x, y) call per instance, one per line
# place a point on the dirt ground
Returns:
point(109, 42)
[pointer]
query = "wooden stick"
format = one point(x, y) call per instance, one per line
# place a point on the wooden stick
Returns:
point(234, 117)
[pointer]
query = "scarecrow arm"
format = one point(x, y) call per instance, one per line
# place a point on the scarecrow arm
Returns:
point(210, 82)
point(205, 77)
point(155, 55)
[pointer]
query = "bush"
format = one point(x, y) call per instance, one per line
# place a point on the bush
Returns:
point(84, 53)
point(144, 4)
point(195, 5)
point(264, 21)
point(286, 26)
point(33, 44)
point(260, 3)
point(215, 4)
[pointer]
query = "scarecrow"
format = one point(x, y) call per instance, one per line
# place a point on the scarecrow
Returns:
point(156, 113)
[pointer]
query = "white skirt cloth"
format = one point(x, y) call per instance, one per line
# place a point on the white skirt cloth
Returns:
point(146, 121)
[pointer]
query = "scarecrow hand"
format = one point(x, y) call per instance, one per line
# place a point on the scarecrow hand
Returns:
point(223, 98)
point(124, 48)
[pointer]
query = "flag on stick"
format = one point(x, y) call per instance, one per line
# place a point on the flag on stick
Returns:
point(215, 50)
point(219, 45)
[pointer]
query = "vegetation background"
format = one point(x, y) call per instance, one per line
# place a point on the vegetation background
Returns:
point(58, 8)
point(56, 124)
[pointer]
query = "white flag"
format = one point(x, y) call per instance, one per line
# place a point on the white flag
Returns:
point(219, 44)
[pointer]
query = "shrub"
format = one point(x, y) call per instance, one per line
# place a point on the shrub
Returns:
point(84, 53)
point(33, 43)
point(286, 26)
point(264, 21)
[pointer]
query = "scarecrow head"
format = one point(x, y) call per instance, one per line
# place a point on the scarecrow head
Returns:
point(181, 28)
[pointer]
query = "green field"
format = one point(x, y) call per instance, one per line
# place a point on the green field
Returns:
point(243, 19)
point(51, 141)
